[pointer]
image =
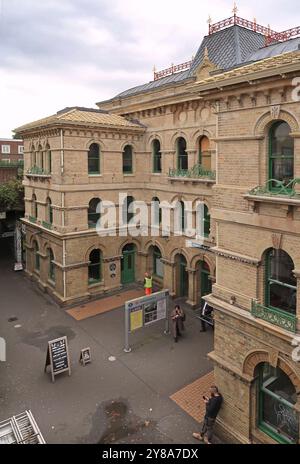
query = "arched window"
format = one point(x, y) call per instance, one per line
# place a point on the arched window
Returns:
point(36, 256)
point(95, 266)
point(49, 211)
point(204, 153)
point(206, 221)
point(277, 398)
point(33, 157)
point(281, 156)
point(156, 156)
point(40, 157)
point(182, 156)
point(158, 267)
point(182, 220)
point(34, 212)
point(127, 213)
point(48, 160)
point(281, 284)
point(51, 265)
point(94, 212)
point(156, 212)
point(94, 159)
point(127, 160)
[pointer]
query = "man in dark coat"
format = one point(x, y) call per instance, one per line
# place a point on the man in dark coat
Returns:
point(178, 318)
point(213, 405)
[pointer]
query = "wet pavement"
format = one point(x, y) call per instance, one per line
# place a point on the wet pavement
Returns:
point(119, 397)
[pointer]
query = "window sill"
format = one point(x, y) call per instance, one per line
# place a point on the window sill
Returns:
point(51, 282)
point(95, 175)
point(130, 174)
point(95, 284)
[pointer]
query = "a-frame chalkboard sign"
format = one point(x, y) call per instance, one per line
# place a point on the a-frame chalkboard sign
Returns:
point(85, 356)
point(58, 357)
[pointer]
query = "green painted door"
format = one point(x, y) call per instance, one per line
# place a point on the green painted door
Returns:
point(183, 278)
point(128, 266)
point(206, 286)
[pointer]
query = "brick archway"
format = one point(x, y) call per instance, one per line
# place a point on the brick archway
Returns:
point(256, 357)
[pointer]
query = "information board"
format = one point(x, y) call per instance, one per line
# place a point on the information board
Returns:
point(85, 356)
point(58, 357)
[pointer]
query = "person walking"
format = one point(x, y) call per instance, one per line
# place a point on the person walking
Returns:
point(148, 284)
point(178, 319)
point(213, 405)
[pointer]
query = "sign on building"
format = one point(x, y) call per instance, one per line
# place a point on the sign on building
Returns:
point(58, 357)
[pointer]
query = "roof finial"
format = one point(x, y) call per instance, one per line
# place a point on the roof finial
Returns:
point(206, 53)
point(235, 9)
point(154, 68)
point(255, 24)
point(209, 21)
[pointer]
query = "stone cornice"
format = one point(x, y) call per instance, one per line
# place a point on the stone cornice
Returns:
point(235, 256)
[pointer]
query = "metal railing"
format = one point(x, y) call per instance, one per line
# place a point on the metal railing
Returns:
point(11, 164)
point(37, 171)
point(276, 317)
point(47, 225)
point(275, 187)
point(196, 172)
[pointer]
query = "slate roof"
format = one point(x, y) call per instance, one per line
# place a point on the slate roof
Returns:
point(78, 115)
point(226, 48)
point(279, 61)
point(275, 49)
point(229, 47)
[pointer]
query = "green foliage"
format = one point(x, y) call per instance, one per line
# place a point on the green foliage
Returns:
point(11, 194)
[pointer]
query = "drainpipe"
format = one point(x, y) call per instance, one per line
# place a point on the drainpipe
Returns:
point(64, 271)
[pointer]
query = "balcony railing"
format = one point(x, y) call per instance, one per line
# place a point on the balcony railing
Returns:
point(37, 171)
point(277, 317)
point(196, 172)
point(47, 225)
point(275, 187)
point(32, 219)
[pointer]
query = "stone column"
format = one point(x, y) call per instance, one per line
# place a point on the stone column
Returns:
point(192, 297)
point(192, 158)
point(169, 276)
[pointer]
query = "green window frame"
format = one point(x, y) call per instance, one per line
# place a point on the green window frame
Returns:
point(127, 160)
point(156, 257)
point(206, 221)
point(182, 218)
point(49, 211)
point(278, 263)
point(281, 155)
point(34, 207)
point(95, 267)
point(94, 159)
point(127, 216)
point(94, 213)
point(157, 209)
point(156, 156)
point(36, 257)
point(277, 416)
point(51, 265)
point(182, 156)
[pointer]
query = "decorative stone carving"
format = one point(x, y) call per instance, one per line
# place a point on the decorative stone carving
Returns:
point(205, 68)
point(273, 357)
point(277, 241)
point(275, 111)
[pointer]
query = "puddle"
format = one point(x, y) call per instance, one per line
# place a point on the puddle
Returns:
point(40, 339)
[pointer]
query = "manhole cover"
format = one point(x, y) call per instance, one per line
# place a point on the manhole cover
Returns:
point(12, 319)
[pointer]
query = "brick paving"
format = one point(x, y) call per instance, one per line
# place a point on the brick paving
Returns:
point(104, 305)
point(189, 398)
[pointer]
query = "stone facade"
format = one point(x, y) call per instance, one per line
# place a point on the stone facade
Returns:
point(234, 110)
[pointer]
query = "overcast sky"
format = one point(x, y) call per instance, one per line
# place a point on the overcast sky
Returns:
point(58, 53)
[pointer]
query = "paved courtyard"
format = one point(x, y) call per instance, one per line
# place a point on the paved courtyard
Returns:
point(122, 401)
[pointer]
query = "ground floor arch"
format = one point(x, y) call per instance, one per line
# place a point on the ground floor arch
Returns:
point(128, 264)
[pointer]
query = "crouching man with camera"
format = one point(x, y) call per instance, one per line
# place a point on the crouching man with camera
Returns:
point(213, 405)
